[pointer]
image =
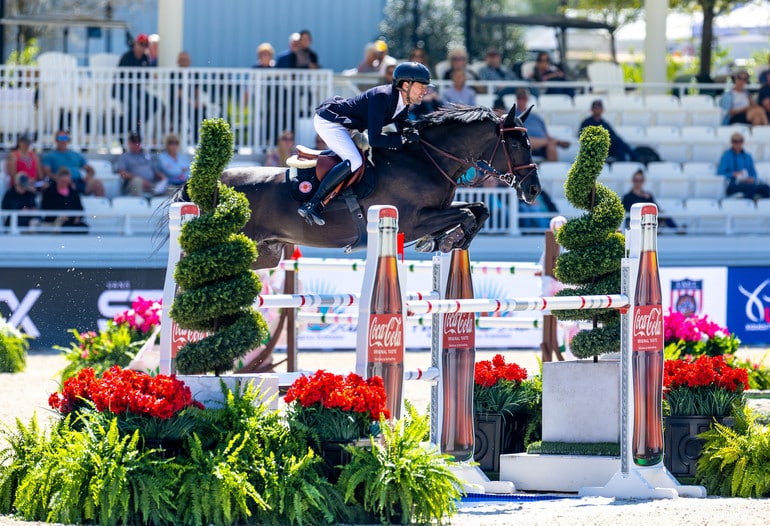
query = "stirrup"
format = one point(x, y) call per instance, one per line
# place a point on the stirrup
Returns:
point(309, 214)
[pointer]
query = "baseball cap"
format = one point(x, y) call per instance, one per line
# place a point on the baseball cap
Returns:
point(135, 137)
point(142, 38)
point(493, 52)
point(381, 46)
point(597, 103)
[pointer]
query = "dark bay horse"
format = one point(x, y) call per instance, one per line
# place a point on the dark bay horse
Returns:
point(420, 181)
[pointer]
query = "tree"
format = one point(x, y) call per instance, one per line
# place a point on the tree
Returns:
point(711, 9)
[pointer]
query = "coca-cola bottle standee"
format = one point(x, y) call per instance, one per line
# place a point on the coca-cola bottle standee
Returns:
point(385, 339)
point(458, 357)
point(647, 342)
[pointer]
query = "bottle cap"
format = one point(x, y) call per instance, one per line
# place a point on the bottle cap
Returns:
point(650, 210)
point(388, 212)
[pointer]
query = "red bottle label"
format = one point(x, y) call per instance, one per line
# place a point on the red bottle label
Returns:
point(459, 330)
point(647, 330)
point(386, 338)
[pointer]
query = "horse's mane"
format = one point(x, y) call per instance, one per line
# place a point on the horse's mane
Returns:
point(457, 113)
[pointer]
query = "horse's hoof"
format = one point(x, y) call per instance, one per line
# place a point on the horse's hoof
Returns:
point(449, 240)
point(425, 244)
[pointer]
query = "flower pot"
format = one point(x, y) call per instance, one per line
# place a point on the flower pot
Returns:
point(681, 446)
point(496, 435)
point(335, 457)
point(165, 448)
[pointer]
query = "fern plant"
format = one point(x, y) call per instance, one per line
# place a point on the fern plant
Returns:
point(26, 447)
point(400, 480)
point(13, 348)
point(736, 461)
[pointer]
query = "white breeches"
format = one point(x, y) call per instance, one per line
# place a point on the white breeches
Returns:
point(338, 139)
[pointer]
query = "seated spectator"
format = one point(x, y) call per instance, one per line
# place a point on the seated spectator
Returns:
point(737, 166)
point(283, 150)
point(265, 56)
point(764, 77)
point(543, 145)
point(738, 106)
point(763, 99)
point(493, 70)
point(138, 171)
point(384, 61)
point(431, 100)
point(459, 92)
point(62, 194)
point(23, 159)
point(545, 71)
point(458, 59)
point(20, 196)
point(62, 155)
point(172, 163)
point(619, 149)
point(543, 204)
point(370, 63)
point(638, 194)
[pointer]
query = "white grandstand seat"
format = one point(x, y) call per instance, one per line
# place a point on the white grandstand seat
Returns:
point(623, 101)
point(663, 134)
point(697, 101)
point(100, 216)
point(566, 208)
point(612, 116)
point(760, 133)
point(697, 168)
point(485, 99)
point(554, 101)
point(706, 216)
point(157, 202)
point(763, 207)
point(617, 183)
point(663, 169)
point(753, 148)
point(583, 101)
point(743, 216)
point(135, 213)
point(636, 117)
point(710, 186)
point(670, 117)
point(623, 170)
point(664, 172)
point(562, 131)
point(552, 176)
point(705, 150)
point(677, 187)
point(704, 116)
point(697, 132)
point(724, 133)
point(658, 101)
point(677, 152)
point(607, 77)
point(571, 117)
point(670, 205)
point(634, 135)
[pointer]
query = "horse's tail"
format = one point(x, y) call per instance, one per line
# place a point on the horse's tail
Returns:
point(160, 215)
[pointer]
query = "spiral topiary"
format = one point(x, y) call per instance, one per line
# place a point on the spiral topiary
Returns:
point(594, 247)
point(217, 286)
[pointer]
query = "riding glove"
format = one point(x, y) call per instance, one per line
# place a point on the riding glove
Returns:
point(410, 135)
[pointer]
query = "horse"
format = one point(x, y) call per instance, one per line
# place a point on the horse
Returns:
point(420, 181)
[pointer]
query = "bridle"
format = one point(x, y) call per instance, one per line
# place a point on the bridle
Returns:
point(485, 167)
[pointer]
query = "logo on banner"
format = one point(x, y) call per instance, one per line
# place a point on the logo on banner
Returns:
point(459, 330)
point(647, 331)
point(687, 296)
point(386, 338)
point(20, 310)
point(757, 309)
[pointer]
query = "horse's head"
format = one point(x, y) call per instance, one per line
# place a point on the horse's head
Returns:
point(518, 155)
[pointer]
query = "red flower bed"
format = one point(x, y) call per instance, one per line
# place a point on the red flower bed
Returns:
point(347, 393)
point(488, 373)
point(704, 372)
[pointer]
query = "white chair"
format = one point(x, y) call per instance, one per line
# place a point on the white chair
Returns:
point(485, 99)
point(441, 68)
point(670, 117)
point(554, 101)
point(553, 175)
point(673, 208)
point(623, 101)
point(100, 216)
point(705, 117)
point(697, 101)
point(697, 132)
point(705, 150)
point(59, 89)
point(710, 186)
point(661, 134)
point(625, 169)
point(567, 209)
point(569, 117)
point(583, 101)
point(562, 131)
point(636, 117)
point(606, 77)
point(632, 134)
point(104, 60)
point(760, 133)
point(135, 214)
point(743, 217)
point(677, 152)
point(661, 101)
point(706, 216)
point(724, 133)
point(698, 168)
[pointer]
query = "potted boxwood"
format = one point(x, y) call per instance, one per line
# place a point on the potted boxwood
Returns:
point(13, 348)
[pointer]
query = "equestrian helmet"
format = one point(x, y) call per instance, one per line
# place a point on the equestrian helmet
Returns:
point(410, 72)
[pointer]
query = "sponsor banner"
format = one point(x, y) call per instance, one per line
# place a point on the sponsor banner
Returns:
point(748, 304)
point(695, 290)
point(47, 302)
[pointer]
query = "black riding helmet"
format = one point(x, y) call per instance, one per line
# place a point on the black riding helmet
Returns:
point(410, 72)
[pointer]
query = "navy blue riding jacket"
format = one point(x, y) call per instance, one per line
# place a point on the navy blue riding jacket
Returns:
point(371, 110)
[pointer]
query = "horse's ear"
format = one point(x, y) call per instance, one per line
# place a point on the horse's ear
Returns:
point(524, 115)
point(510, 119)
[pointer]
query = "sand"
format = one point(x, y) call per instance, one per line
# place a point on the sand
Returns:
point(24, 394)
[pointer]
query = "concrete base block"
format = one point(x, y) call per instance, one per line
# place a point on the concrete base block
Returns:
point(581, 401)
point(559, 473)
point(207, 390)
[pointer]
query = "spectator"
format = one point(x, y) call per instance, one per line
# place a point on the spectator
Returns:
point(138, 103)
point(764, 77)
point(384, 61)
point(63, 195)
point(418, 54)
point(265, 56)
point(288, 57)
point(543, 145)
point(763, 99)
point(737, 166)
point(185, 97)
point(619, 149)
point(545, 71)
point(458, 59)
point(23, 159)
point(172, 163)
point(306, 57)
point(638, 194)
point(20, 196)
point(459, 92)
point(152, 49)
point(62, 155)
point(738, 106)
point(138, 171)
point(431, 100)
point(370, 62)
point(493, 70)
point(387, 77)
point(283, 150)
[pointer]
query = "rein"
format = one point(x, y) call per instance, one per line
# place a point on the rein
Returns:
point(482, 166)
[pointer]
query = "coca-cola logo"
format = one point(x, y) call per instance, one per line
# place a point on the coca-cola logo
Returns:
point(386, 338)
point(181, 337)
point(459, 323)
point(647, 329)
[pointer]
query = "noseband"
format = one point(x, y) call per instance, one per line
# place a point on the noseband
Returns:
point(485, 167)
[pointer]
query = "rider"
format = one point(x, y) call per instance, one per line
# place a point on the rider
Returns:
point(371, 110)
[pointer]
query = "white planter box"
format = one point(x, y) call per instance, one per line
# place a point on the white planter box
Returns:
point(581, 401)
point(207, 390)
point(562, 473)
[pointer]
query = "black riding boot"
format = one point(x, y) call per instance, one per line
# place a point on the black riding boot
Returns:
point(310, 211)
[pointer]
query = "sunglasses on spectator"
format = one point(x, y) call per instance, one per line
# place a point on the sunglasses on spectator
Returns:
point(288, 138)
point(737, 140)
point(172, 142)
point(742, 78)
point(62, 137)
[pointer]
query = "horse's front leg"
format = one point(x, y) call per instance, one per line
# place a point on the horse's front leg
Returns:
point(480, 213)
point(447, 228)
